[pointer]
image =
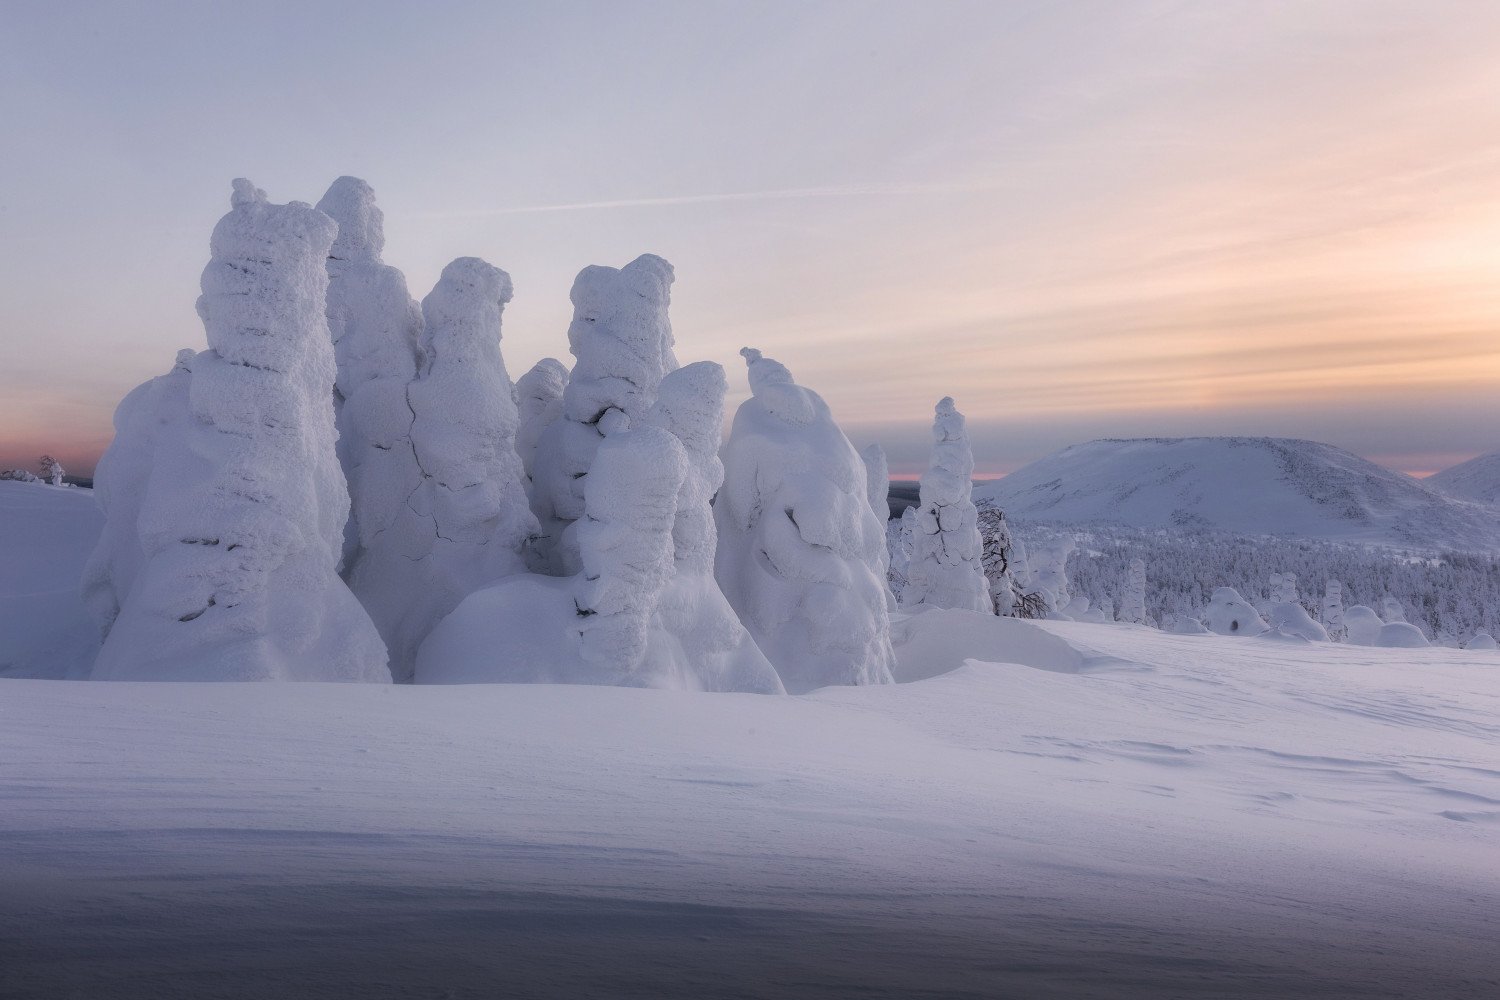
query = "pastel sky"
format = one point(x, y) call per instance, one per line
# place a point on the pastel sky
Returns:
point(1080, 219)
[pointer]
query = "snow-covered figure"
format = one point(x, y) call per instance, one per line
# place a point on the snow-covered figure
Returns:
point(539, 403)
point(898, 542)
point(995, 557)
point(52, 470)
point(154, 409)
point(947, 568)
point(1230, 614)
point(1287, 593)
point(467, 522)
point(622, 338)
point(242, 522)
point(375, 325)
point(1481, 640)
point(1391, 609)
point(1133, 604)
point(1361, 626)
point(716, 648)
point(799, 547)
point(1333, 611)
point(1050, 578)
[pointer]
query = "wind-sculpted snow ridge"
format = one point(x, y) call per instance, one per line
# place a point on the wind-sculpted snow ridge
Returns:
point(621, 336)
point(375, 325)
point(946, 568)
point(644, 610)
point(241, 524)
point(155, 409)
point(799, 546)
point(539, 403)
point(1256, 486)
point(467, 521)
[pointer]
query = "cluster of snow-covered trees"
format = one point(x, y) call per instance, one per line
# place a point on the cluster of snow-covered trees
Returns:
point(347, 485)
point(1345, 592)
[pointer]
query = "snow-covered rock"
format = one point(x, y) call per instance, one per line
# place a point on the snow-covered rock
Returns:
point(799, 546)
point(947, 568)
point(621, 336)
point(242, 522)
point(1230, 614)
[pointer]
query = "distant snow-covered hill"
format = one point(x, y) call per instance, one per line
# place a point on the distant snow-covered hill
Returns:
point(1478, 480)
point(1247, 485)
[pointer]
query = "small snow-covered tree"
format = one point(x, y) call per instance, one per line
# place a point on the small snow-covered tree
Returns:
point(374, 324)
point(946, 567)
point(1391, 609)
point(1333, 610)
point(1133, 606)
point(996, 554)
point(154, 409)
point(799, 546)
point(899, 533)
point(621, 337)
point(52, 470)
point(539, 403)
point(241, 526)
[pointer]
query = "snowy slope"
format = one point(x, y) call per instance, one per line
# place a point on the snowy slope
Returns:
point(46, 535)
point(1176, 816)
point(1478, 480)
point(1255, 486)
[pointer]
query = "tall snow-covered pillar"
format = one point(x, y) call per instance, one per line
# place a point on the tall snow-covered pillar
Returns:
point(1133, 605)
point(878, 476)
point(1333, 611)
point(242, 523)
point(621, 337)
point(799, 552)
point(947, 570)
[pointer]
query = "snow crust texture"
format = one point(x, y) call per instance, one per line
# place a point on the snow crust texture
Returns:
point(241, 522)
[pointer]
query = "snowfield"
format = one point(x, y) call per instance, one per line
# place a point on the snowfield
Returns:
point(1057, 810)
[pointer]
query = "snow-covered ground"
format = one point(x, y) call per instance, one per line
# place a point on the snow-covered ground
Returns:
point(1040, 810)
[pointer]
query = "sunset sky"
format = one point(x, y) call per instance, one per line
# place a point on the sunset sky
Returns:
point(1081, 220)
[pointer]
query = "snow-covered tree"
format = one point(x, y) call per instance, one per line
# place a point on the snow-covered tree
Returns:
point(241, 525)
point(1333, 610)
point(946, 569)
point(539, 403)
point(374, 324)
point(1049, 575)
point(621, 336)
point(799, 546)
point(51, 470)
point(1391, 609)
point(1362, 626)
point(1133, 605)
point(718, 652)
point(898, 534)
point(467, 522)
point(997, 554)
point(878, 476)
point(156, 408)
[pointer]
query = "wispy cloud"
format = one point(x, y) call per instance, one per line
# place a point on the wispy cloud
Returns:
point(857, 190)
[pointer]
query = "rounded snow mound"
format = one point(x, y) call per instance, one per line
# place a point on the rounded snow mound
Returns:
point(1401, 635)
point(1230, 614)
point(1363, 625)
point(1292, 618)
point(1183, 625)
point(1482, 640)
